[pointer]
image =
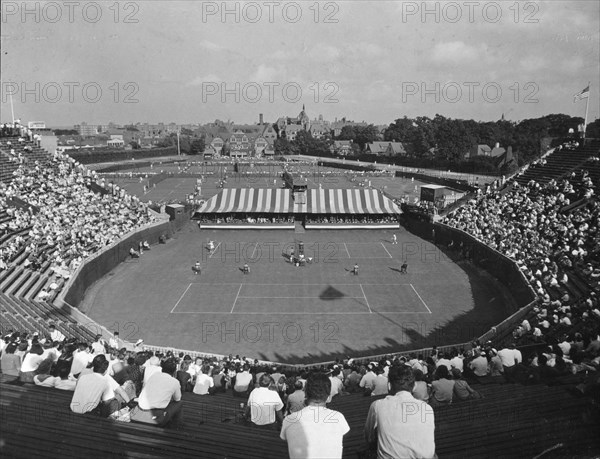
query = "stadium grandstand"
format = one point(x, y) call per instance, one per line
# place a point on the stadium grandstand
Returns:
point(70, 387)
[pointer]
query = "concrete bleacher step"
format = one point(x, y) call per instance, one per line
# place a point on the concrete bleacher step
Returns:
point(19, 282)
point(10, 279)
point(36, 288)
point(7, 272)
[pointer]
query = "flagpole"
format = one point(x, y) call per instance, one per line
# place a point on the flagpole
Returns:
point(587, 103)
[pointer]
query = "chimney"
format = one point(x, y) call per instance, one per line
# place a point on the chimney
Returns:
point(260, 119)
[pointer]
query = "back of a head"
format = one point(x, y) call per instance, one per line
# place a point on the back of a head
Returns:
point(318, 387)
point(169, 366)
point(265, 380)
point(298, 385)
point(401, 377)
point(442, 372)
point(100, 364)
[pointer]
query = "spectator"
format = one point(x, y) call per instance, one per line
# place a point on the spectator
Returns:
point(184, 377)
point(31, 362)
point(264, 407)
point(480, 365)
point(243, 382)
point(81, 359)
point(380, 384)
point(56, 335)
point(160, 400)
point(10, 363)
point(442, 388)
point(151, 367)
point(92, 390)
point(352, 381)
point(462, 390)
point(295, 401)
point(421, 390)
point(368, 380)
point(204, 382)
point(315, 431)
point(400, 426)
point(337, 386)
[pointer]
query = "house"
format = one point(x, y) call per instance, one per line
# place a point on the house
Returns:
point(291, 131)
point(319, 130)
point(341, 147)
point(240, 145)
point(269, 134)
point(386, 148)
point(260, 143)
point(479, 150)
point(497, 151)
point(269, 150)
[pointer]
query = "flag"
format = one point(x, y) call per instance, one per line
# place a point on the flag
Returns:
point(582, 95)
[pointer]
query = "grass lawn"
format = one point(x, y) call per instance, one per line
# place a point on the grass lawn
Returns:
point(296, 314)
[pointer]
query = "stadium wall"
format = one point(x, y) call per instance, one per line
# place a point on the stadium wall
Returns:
point(107, 259)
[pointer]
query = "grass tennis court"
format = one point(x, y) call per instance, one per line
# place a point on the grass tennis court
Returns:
point(296, 314)
point(306, 299)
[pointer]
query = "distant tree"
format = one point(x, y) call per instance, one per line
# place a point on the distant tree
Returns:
point(593, 129)
point(197, 146)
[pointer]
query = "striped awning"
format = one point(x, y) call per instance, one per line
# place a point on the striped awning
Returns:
point(347, 201)
point(249, 200)
point(265, 200)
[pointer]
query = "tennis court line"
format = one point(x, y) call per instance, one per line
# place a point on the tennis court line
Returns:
point(366, 301)
point(252, 256)
point(301, 297)
point(236, 298)
point(280, 313)
point(215, 250)
point(386, 250)
point(424, 304)
point(180, 298)
point(347, 250)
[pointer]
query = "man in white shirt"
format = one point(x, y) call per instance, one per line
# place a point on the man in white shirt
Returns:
point(152, 366)
point(264, 405)
point(367, 380)
point(315, 431)
point(203, 381)
point(400, 425)
point(98, 346)
point(56, 335)
point(243, 381)
point(160, 400)
point(337, 386)
point(81, 359)
point(93, 393)
point(510, 357)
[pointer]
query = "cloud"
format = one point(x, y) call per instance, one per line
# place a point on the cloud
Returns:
point(210, 78)
point(321, 52)
point(266, 73)
point(367, 49)
point(455, 51)
point(209, 45)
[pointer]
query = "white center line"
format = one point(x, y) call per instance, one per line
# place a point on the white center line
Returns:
point(347, 250)
point(236, 298)
point(386, 249)
point(180, 298)
point(214, 250)
point(366, 301)
point(424, 304)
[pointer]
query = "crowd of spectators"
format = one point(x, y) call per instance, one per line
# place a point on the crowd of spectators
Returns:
point(139, 385)
point(553, 234)
point(352, 219)
point(250, 219)
point(66, 221)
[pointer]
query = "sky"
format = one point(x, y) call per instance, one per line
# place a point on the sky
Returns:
point(375, 61)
